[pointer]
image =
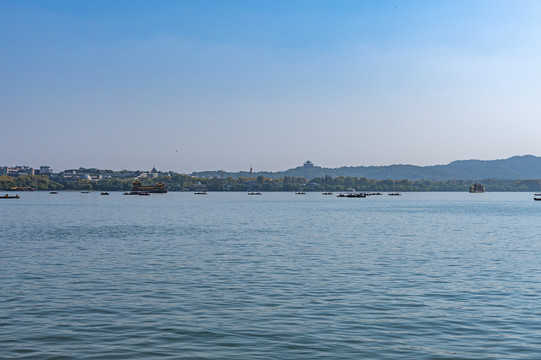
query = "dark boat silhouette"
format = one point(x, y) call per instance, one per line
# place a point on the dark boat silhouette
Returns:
point(9, 197)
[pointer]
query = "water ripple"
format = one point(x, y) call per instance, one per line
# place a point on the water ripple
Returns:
point(431, 276)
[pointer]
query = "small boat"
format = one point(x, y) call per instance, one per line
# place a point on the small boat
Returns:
point(300, 193)
point(144, 194)
point(53, 192)
point(352, 195)
point(104, 193)
point(394, 194)
point(326, 193)
point(200, 193)
point(537, 197)
point(254, 193)
point(135, 193)
point(85, 192)
point(9, 197)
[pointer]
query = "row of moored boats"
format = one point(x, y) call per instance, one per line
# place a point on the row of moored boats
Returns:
point(353, 194)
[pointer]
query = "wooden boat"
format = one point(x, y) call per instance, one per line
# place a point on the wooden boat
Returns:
point(352, 195)
point(9, 197)
point(136, 193)
point(158, 188)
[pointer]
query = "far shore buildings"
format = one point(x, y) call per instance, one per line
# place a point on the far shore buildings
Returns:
point(95, 174)
point(92, 174)
point(25, 170)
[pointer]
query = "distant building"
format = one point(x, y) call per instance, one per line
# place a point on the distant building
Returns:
point(199, 187)
point(16, 170)
point(45, 170)
point(477, 188)
point(312, 185)
point(153, 173)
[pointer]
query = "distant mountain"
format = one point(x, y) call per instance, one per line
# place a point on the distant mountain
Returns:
point(514, 168)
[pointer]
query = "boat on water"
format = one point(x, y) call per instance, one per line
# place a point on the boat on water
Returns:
point(326, 193)
point(9, 197)
point(159, 188)
point(22, 188)
point(200, 193)
point(104, 193)
point(136, 193)
point(300, 193)
point(254, 193)
point(85, 192)
point(537, 197)
point(395, 194)
point(351, 195)
point(54, 192)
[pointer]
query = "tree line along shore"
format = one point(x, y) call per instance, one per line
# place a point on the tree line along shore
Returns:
point(181, 182)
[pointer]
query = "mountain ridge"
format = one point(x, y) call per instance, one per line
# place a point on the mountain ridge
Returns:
point(519, 167)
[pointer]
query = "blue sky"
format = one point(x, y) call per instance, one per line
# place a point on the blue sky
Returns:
point(203, 85)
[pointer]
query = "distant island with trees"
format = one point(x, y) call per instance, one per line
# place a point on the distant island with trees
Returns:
point(519, 173)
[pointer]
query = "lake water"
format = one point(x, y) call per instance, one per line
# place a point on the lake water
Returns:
point(277, 276)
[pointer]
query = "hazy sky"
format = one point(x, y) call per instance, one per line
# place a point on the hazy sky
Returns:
point(204, 85)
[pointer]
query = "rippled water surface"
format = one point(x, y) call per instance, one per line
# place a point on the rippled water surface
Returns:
point(277, 276)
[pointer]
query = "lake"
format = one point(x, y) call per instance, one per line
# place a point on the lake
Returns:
point(276, 276)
